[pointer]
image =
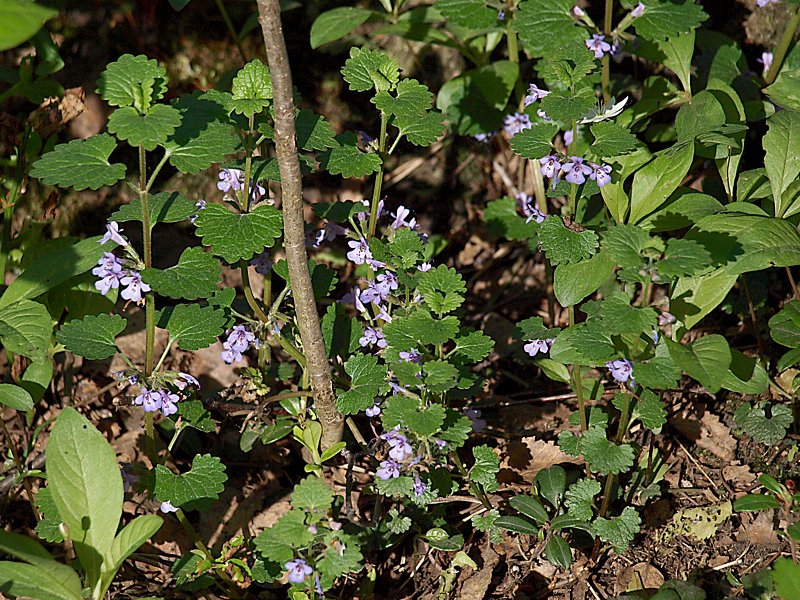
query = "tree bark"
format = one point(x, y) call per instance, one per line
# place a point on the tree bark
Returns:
point(294, 224)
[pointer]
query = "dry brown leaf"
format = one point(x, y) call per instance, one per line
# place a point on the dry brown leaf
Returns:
point(716, 437)
point(739, 476)
point(640, 576)
point(54, 113)
point(760, 530)
point(476, 586)
point(530, 455)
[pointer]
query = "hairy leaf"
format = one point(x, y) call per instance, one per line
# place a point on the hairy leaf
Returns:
point(93, 337)
point(80, 164)
point(238, 236)
point(196, 275)
point(205, 480)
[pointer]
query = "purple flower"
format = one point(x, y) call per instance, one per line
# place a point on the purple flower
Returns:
point(389, 469)
point(420, 487)
point(543, 115)
point(383, 314)
point(578, 11)
point(535, 93)
point(354, 297)
point(400, 218)
point(638, 11)
point(576, 171)
point(399, 448)
point(534, 347)
point(621, 369)
point(168, 401)
point(185, 379)
point(230, 179)
point(113, 233)
point(501, 15)
point(150, 400)
point(239, 340)
point(387, 282)
point(110, 270)
point(763, 3)
point(766, 62)
point(516, 123)
point(363, 216)
point(318, 587)
point(474, 415)
point(360, 252)
point(440, 443)
point(569, 137)
point(262, 262)
point(410, 356)
point(135, 286)
point(600, 174)
point(372, 336)
point(598, 45)
point(666, 318)
point(550, 166)
point(373, 411)
point(529, 209)
point(365, 138)
point(485, 137)
point(106, 282)
point(424, 267)
point(166, 507)
point(298, 570)
point(376, 292)
point(257, 191)
point(199, 205)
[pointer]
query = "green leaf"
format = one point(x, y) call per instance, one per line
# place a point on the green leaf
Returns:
point(205, 480)
point(341, 333)
point(473, 345)
point(573, 282)
point(440, 376)
point(132, 536)
point(544, 26)
point(503, 220)
point(746, 375)
point(196, 275)
point(517, 525)
point(683, 258)
point(617, 316)
point(455, 429)
point(196, 415)
point(612, 140)
point(442, 289)
point(580, 498)
point(276, 543)
point(786, 575)
point(682, 209)
point(237, 237)
point(552, 482)
point(755, 502)
point(654, 183)
point(134, 81)
point(668, 18)
point(48, 528)
point(368, 380)
point(619, 531)
point(93, 337)
point(407, 248)
point(706, 359)
point(678, 51)
point(472, 14)
point(563, 245)
point(422, 129)
point(398, 524)
point(558, 552)
point(397, 487)
point(782, 160)
point(84, 478)
point(785, 91)
point(148, 130)
point(367, 69)
point(164, 207)
point(584, 344)
point(314, 132)
point(204, 137)
point(347, 160)
point(533, 329)
point(567, 107)
point(15, 397)
point(603, 455)
point(784, 327)
point(530, 507)
point(339, 558)
point(702, 114)
point(251, 89)
point(323, 278)
point(191, 326)
point(20, 20)
point(46, 581)
point(418, 328)
point(762, 428)
point(486, 467)
point(80, 164)
point(625, 244)
point(312, 494)
point(407, 412)
point(536, 142)
point(411, 99)
point(650, 410)
point(337, 23)
point(475, 101)
point(25, 328)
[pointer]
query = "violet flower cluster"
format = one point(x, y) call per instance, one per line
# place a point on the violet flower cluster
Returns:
point(400, 451)
point(575, 170)
point(534, 347)
point(240, 338)
point(233, 180)
point(153, 400)
point(298, 570)
point(622, 371)
point(113, 271)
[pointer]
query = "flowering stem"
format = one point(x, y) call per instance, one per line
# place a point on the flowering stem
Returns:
point(149, 300)
point(248, 293)
point(164, 355)
point(783, 46)
point(477, 491)
point(541, 203)
point(606, 58)
point(577, 382)
point(376, 192)
point(513, 56)
point(157, 170)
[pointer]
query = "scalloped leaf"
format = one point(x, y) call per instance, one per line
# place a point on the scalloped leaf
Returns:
point(664, 19)
point(205, 480)
point(313, 131)
point(195, 276)
point(535, 142)
point(546, 25)
point(251, 89)
point(93, 337)
point(367, 69)
point(347, 160)
point(80, 164)
point(134, 81)
point(564, 245)
point(193, 327)
point(472, 14)
point(149, 130)
point(164, 207)
point(235, 236)
point(421, 129)
point(368, 380)
point(611, 139)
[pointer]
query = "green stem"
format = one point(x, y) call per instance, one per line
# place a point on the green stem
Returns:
point(572, 206)
point(783, 47)
point(248, 293)
point(292, 351)
point(229, 24)
point(8, 212)
point(513, 56)
point(479, 494)
point(149, 302)
point(164, 355)
point(606, 58)
point(577, 382)
point(157, 170)
point(376, 191)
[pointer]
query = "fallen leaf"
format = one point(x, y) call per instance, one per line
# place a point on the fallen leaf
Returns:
point(699, 523)
point(476, 586)
point(530, 455)
point(760, 531)
point(641, 576)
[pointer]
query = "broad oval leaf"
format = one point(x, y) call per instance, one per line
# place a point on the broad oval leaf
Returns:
point(558, 552)
point(20, 20)
point(517, 525)
point(755, 502)
point(15, 397)
point(656, 181)
point(530, 507)
point(335, 24)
